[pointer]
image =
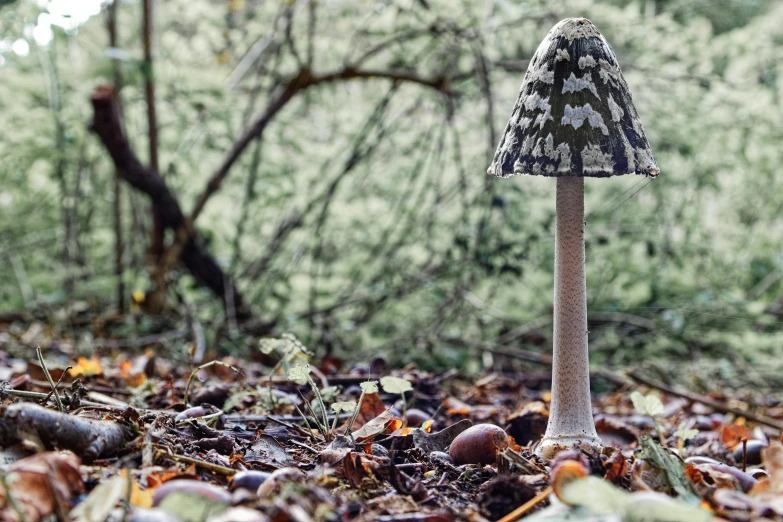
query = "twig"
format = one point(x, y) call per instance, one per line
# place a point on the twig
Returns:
point(764, 285)
point(111, 25)
point(59, 402)
point(214, 468)
point(305, 446)
point(21, 277)
point(717, 406)
point(527, 506)
point(202, 367)
point(303, 80)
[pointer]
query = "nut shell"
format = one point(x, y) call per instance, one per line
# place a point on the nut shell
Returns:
point(478, 444)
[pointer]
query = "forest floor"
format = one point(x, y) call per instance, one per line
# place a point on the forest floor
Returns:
point(147, 435)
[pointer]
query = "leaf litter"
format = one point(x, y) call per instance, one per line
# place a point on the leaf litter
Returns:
point(297, 441)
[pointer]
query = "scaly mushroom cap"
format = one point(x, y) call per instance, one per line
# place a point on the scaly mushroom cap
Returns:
point(574, 115)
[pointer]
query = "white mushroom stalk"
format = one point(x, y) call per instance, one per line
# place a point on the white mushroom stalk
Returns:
point(574, 118)
point(570, 414)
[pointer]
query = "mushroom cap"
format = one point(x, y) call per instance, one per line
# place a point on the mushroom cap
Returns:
point(574, 115)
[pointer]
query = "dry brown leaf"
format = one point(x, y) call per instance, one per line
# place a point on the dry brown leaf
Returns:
point(40, 486)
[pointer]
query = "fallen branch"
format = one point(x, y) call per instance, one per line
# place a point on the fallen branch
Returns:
point(717, 406)
point(87, 438)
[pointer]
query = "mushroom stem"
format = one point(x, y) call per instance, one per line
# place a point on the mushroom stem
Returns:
point(570, 417)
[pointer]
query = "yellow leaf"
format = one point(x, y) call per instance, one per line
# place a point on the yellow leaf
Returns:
point(223, 58)
point(87, 367)
point(138, 296)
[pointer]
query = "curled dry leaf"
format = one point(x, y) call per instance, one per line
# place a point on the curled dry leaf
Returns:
point(268, 450)
point(616, 467)
point(383, 423)
point(337, 450)
point(719, 475)
point(40, 486)
point(440, 440)
point(370, 408)
point(733, 434)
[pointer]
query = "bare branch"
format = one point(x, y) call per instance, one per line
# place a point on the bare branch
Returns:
point(197, 260)
point(302, 81)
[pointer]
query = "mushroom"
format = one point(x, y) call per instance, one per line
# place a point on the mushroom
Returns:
point(574, 118)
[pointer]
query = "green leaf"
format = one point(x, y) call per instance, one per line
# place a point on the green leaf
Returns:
point(347, 406)
point(300, 374)
point(395, 385)
point(649, 405)
point(593, 499)
point(369, 386)
point(598, 495)
point(684, 433)
point(671, 465)
point(190, 507)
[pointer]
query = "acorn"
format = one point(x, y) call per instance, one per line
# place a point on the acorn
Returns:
point(196, 412)
point(277, 478)
point(216, 395)
point(752, 452)
point(564, 473)
point(416, 417)
point(249, 480)
point(193, 413)
point(193, 487)
point(478, 444)
point(441, 457)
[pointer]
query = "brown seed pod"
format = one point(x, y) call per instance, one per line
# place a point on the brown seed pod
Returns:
point(250, 480)
point(564, 473)
point(752, 452)
point(416, 417)
point(478, 444)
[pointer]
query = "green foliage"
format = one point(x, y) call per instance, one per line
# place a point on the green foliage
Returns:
point(415, 254)
point(672, 466)
point(649, 405)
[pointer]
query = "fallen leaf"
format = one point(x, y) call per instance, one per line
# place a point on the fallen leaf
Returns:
point(267, 450)
point(39, 486)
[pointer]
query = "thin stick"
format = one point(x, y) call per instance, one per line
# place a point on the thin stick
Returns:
point(203, 366)
point(215, 468)
point(59, 402)
point(629, 197)
point(117, 189)
point(527, 506)
point(621, 194)
point(723, 408)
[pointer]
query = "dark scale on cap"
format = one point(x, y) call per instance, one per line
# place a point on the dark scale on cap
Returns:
point(574, 115)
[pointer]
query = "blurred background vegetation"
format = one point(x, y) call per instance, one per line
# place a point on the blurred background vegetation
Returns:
point(362, 219)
